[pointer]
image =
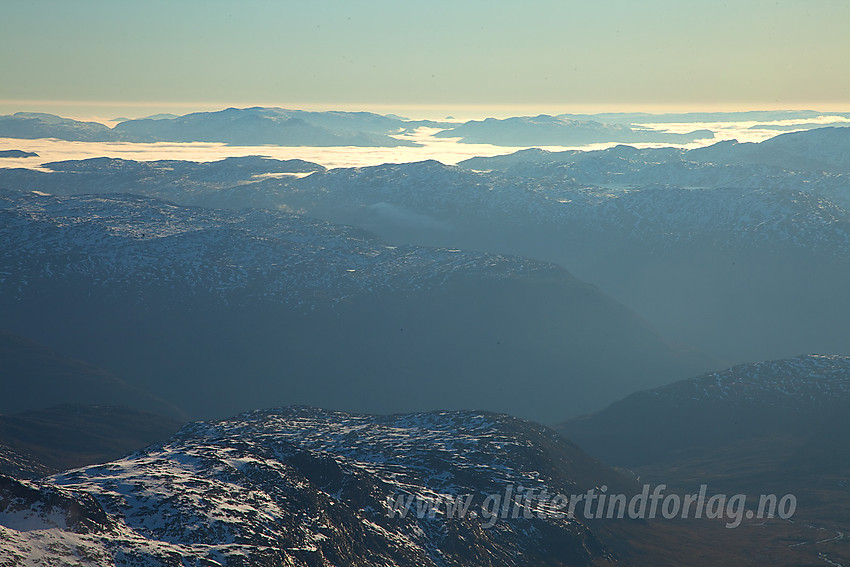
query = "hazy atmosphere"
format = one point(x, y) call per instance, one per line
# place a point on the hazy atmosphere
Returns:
point(432, 284)
point(552, 56)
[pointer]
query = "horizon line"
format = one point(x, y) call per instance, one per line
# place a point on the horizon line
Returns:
point(479, 110)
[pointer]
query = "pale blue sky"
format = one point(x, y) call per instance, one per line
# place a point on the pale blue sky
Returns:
point(559, 54)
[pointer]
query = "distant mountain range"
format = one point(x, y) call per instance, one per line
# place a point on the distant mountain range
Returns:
point(248, 126)
point(696, 117)
point(258, 126)
point(545, 130)
point(284, 127)
point(814, 157)
point(750, 240)
point(220, 311)
point(32, 125)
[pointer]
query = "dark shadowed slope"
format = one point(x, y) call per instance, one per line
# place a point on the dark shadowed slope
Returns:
point(222, 311)
point(777, 427)
point(33, 376)
point(70, 436)
point(795, 397)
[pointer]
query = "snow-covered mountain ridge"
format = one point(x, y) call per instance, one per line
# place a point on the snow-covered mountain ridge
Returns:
point(808, 380)
point(657, 196)
point(301, 486)
point(129, 240)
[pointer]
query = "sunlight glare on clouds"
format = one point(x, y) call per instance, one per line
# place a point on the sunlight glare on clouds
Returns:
point(745, 131)
point(447, 151)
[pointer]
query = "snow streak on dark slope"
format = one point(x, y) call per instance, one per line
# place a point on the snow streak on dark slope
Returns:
point(301, 486)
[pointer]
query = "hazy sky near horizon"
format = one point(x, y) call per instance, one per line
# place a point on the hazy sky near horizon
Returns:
point(584, 55)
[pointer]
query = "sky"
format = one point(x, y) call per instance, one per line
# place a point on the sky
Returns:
point(428, 57)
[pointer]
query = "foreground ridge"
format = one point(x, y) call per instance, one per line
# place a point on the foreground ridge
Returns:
point(303, 486)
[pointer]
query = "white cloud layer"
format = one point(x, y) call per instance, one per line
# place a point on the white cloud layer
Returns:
point(446, 150)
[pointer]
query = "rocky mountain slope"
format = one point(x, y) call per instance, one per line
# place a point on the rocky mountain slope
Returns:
point(300, 486)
